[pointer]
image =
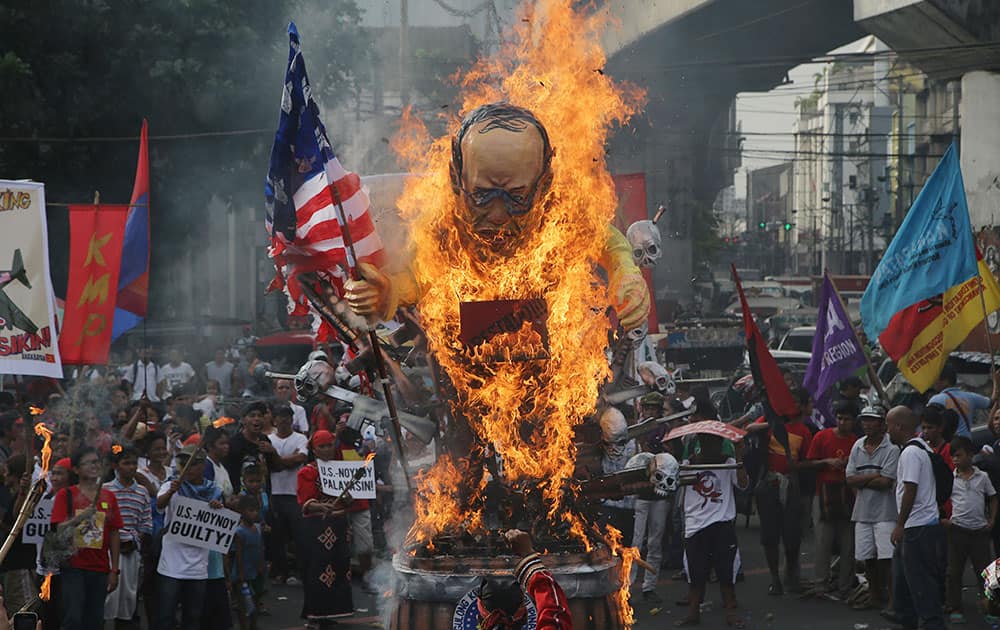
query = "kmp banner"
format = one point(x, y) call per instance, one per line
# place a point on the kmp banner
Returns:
point(95, 251)
point(28, 341)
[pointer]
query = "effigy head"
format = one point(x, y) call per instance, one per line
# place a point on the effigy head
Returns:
point(501, 170)
point(314, 378)
point(614, 432)
point(664, 473)
point(656, 376)
point(644, 237)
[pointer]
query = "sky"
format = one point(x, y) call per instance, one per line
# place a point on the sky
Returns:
point(773, 113)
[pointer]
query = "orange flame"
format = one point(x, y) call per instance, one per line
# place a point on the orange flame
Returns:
point(223, 421)
point(35, 411)
point(42, 430)
point(552, 66)
point(628, 556)
point(46, 591)
point(369, 457)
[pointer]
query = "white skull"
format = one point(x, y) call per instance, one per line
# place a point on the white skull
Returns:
point(656, 376)
point(664, 473)
point(644, 237)
point(614, 432)
point(314, 378)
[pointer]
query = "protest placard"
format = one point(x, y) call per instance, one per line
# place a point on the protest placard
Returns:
point(38, 523)
point(337, 475)
point(195, 523)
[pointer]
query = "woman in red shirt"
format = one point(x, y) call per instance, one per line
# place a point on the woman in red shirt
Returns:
point(92, 513)
point(325, 536)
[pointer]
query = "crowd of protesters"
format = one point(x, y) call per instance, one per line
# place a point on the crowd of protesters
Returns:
point(129, 441)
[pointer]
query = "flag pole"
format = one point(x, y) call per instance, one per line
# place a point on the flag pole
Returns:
point(986, 325)
point(383, 373)
point(872, 374)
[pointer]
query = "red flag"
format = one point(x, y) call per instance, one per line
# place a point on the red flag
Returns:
point(96, 235)
point(766, 375)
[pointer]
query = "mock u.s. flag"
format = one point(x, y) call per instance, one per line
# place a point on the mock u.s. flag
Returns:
point(924, 298)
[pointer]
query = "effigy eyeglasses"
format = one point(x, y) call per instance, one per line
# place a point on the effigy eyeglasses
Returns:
point(516, 205)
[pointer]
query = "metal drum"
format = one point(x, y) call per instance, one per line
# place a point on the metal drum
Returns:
point(428, 590)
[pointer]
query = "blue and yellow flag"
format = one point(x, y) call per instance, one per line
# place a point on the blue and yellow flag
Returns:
point(924, 297)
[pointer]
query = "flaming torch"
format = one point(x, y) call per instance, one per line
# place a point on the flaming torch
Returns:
point(358, 474)
point(216, 424)
point(34, 495)
point(40, 429)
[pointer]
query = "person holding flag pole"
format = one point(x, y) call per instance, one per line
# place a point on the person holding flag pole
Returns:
point(777, 494)
point(930, 290)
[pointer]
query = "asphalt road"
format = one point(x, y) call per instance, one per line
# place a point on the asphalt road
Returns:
point(763, 611)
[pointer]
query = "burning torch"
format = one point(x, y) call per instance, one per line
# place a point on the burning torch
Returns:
point(36, 491)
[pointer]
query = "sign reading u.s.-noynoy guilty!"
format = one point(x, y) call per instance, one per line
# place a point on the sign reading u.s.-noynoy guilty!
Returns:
point(336, 476)
point(195, 523)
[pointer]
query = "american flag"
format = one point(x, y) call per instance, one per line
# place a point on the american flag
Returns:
point(304, 181)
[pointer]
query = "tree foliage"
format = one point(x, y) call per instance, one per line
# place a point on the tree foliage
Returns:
point(95, 68)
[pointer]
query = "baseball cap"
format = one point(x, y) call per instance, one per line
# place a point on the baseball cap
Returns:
point(872, 411)
point(189, 451)
point(652, 399)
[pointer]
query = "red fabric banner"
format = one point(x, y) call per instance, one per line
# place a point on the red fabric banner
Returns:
point(95, 251)
point(631, 191)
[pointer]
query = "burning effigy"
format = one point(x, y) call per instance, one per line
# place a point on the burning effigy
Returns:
point(509, 218)
point(517, 277)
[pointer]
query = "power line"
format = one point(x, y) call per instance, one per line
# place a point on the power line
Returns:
point(176, 136)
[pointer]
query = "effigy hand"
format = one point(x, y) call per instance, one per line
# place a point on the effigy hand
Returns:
point(370, 296)
point(629, 295)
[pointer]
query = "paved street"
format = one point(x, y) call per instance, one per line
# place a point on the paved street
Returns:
point(764, 611)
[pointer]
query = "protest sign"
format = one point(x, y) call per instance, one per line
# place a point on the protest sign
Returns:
point(38, 523)
point(195, 523)
point(337, 475)
point(28, 340)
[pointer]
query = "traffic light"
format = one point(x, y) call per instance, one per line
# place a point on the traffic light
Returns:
point(762, 225)
point(788, 226)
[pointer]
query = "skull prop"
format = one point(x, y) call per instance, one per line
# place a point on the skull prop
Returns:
point(614, 432)
point(314, 378)
point(644, 237)
point(656, 376)
point(664, 474)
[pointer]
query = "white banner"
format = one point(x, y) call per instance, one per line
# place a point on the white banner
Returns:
point(38, 523)
point(336, 476)
point(28, 339)
point(195, 523)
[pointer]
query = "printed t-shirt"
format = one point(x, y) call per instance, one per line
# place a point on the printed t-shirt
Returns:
point(710, 499)
point(92, 535)
point(828, 444)
point(799, 438)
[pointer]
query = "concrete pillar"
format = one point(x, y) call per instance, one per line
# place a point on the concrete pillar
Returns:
point(980, 155)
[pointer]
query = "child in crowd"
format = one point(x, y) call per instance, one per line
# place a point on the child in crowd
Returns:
point(709, 529)
point(970, 524)
point(250, 574)
point(135, 506)
point(253, 487)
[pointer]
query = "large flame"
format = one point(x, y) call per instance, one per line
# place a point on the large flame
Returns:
point(552, 66)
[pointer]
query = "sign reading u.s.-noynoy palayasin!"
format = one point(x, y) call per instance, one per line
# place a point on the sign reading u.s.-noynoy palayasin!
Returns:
point(197, 524)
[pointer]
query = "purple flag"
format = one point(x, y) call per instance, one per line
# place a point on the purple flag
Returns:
point(836, 353)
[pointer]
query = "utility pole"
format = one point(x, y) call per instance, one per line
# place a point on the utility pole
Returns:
point(837, 189)
point(899, 152)
point(404, 46)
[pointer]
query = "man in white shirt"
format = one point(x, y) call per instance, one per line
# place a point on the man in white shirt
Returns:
point(918, 557)
point(291, 449)
point(220, 371)
point(176, 372)
point(143, 377)
point(283, 393)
